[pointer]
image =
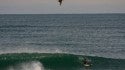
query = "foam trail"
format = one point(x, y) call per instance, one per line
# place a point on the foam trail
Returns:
point(33, 65)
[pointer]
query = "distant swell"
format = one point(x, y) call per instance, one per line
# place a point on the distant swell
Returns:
point(58, 60)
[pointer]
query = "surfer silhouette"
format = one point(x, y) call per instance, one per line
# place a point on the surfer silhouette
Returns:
point(60, 2)
point(87, 63)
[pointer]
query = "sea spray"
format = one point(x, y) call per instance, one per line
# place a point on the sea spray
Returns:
point(33, 65)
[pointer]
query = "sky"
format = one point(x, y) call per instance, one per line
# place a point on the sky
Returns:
point(67, 7)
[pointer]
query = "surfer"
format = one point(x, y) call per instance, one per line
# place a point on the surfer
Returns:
point(87, 63)
point(60, 1)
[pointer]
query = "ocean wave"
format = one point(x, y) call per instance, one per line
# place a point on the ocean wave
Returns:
point(58, 60)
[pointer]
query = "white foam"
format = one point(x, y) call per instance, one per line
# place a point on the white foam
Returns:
point(33, 65)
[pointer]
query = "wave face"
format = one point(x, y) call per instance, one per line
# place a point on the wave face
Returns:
point(41, 61)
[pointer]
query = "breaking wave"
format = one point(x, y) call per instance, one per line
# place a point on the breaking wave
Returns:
point(37, 61)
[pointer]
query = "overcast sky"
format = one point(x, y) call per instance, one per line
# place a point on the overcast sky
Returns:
point(68, 6)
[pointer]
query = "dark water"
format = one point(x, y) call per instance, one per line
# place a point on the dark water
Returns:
point(56, 61)
point(96, 35)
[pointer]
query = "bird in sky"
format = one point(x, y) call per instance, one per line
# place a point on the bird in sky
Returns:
point(60, 2)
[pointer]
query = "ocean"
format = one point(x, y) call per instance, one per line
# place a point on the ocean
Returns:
point(62, 41)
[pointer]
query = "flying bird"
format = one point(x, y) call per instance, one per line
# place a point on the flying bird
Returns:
point(60, 2)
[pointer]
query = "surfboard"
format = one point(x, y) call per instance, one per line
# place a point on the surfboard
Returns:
point(87, 65)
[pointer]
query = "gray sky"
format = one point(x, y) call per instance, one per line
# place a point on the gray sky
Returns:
point(68, 6)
